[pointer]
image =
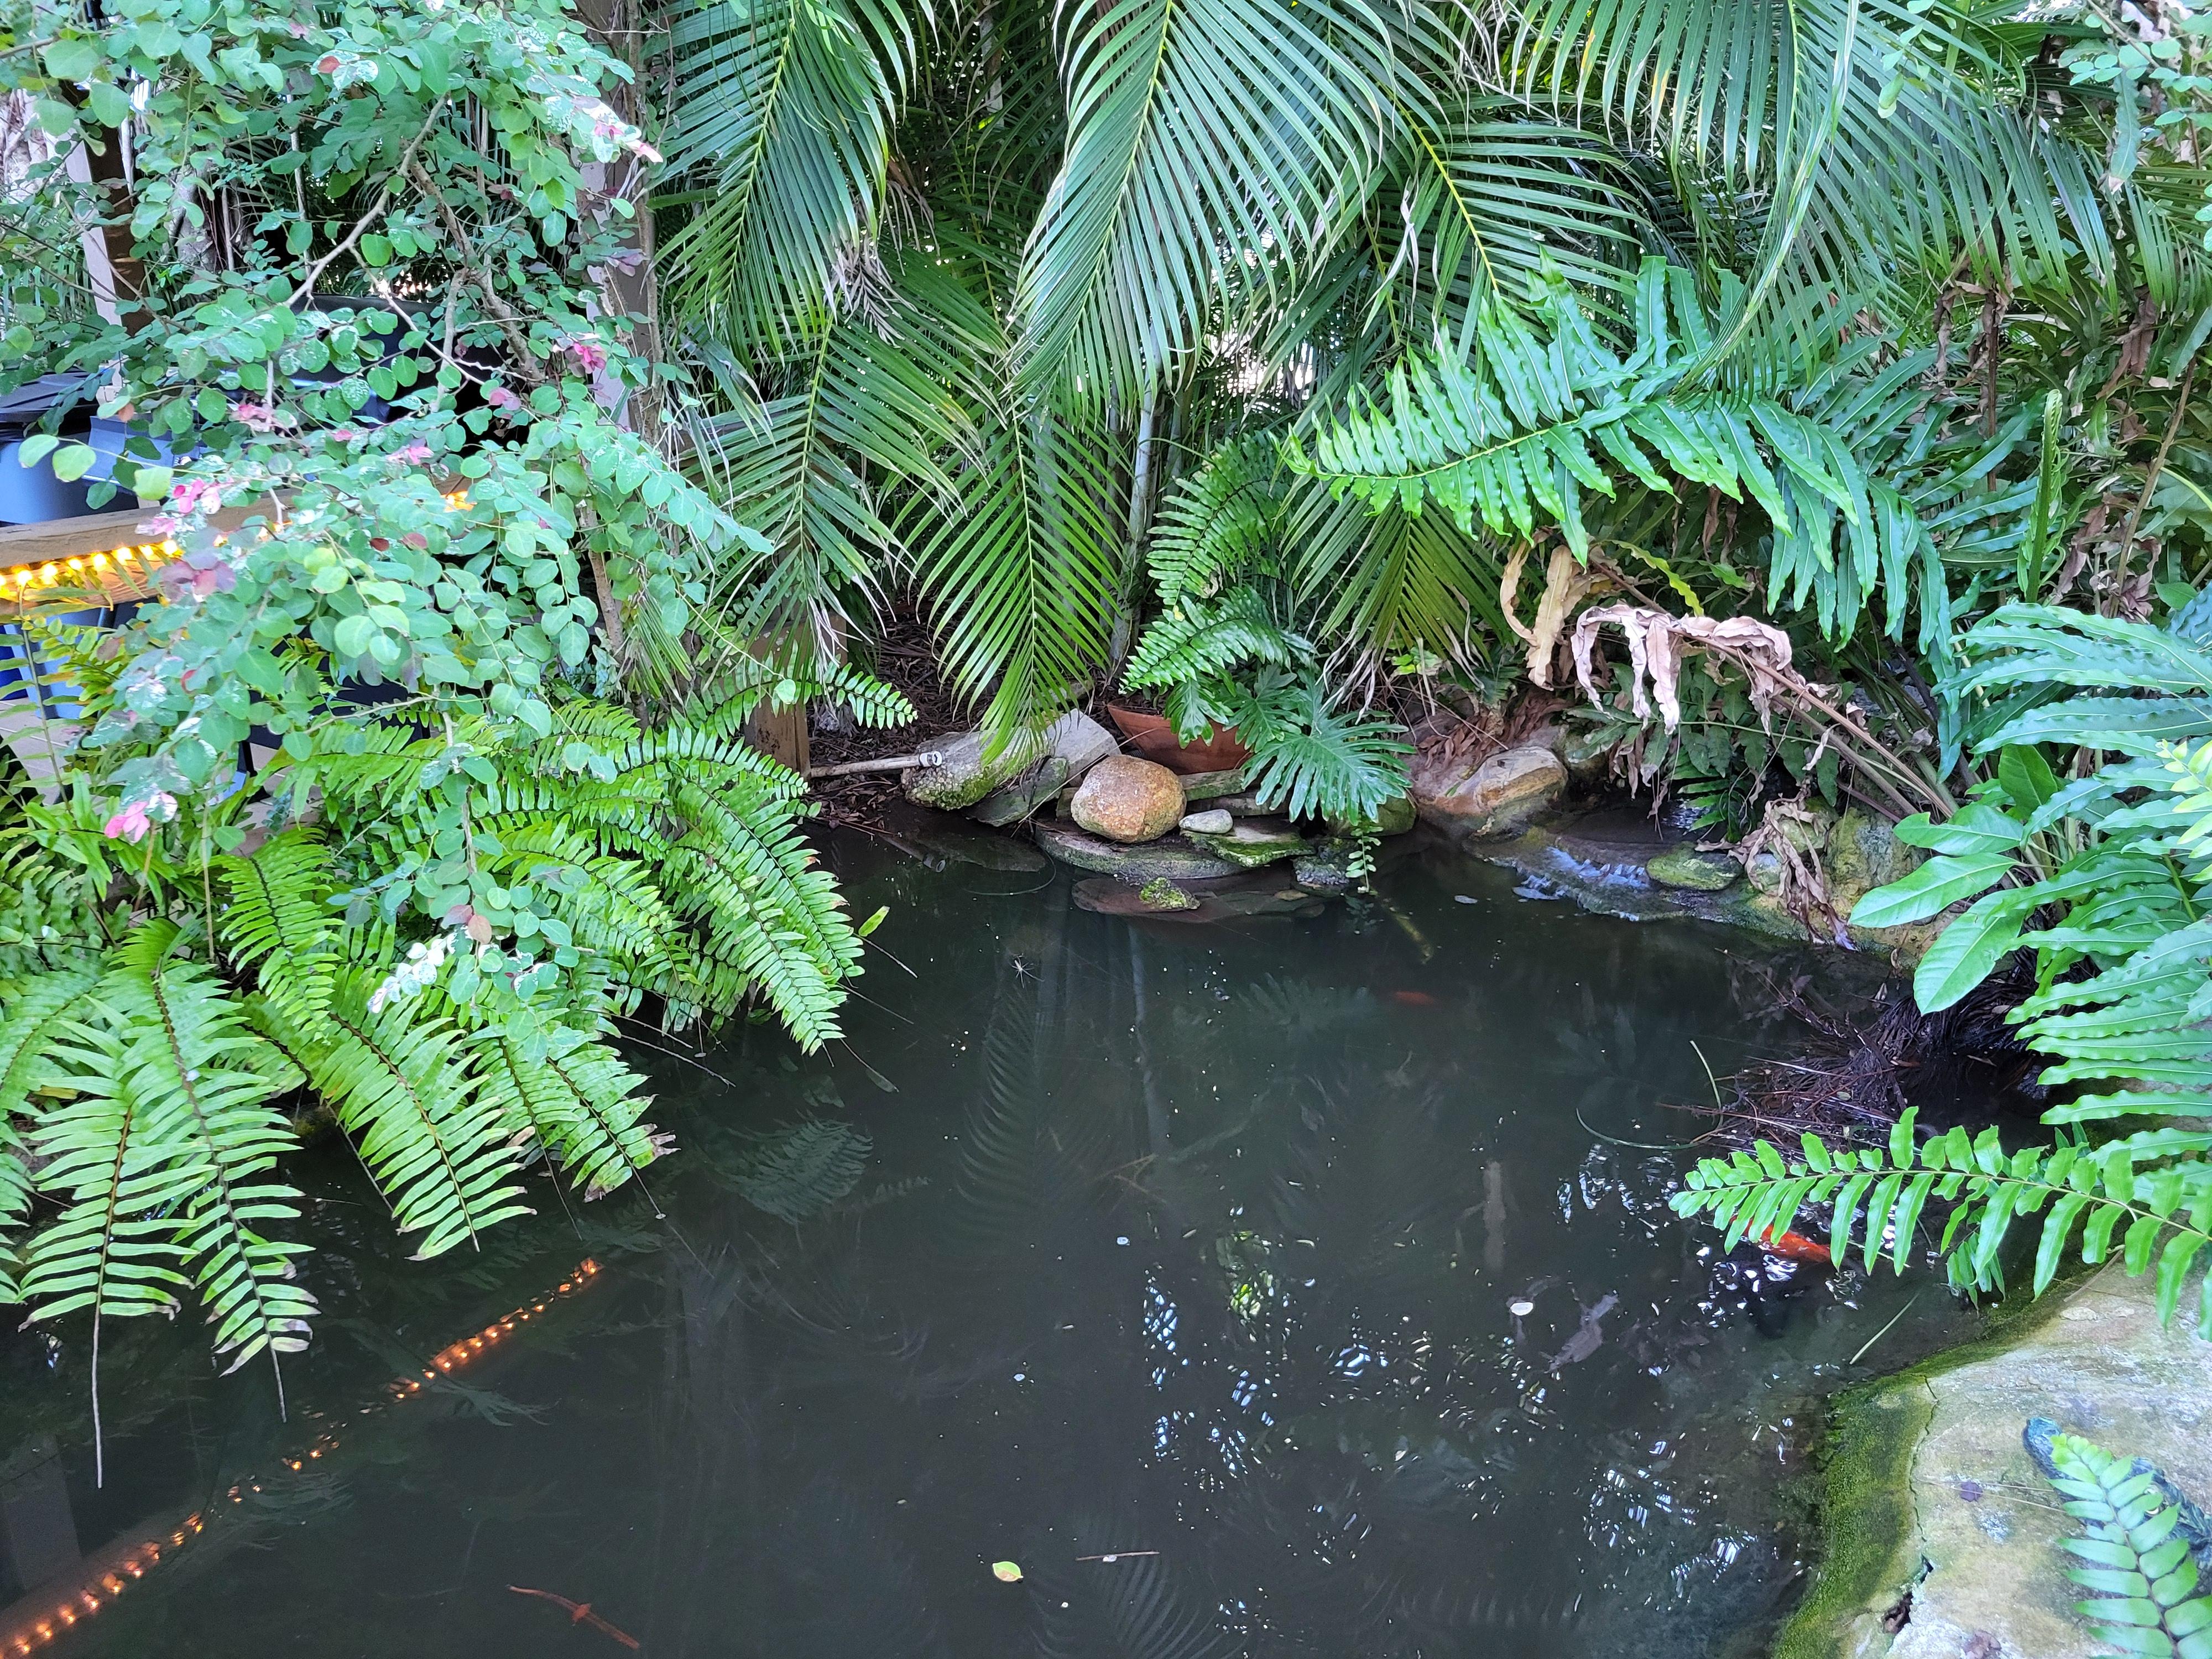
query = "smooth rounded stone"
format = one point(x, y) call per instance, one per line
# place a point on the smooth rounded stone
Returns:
point(1251, 844)
point(1687, 868)
point(1218, 822)
point(1127, 800)
point(1173, 859)
point(1497, 798)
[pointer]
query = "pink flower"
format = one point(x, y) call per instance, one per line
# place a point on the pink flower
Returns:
point(132, 823)
point(418, 451)
point(343, 434)
point(161, 525)
point(500, 398)
point(258, 417)
point(196, 495)
point(587, 350)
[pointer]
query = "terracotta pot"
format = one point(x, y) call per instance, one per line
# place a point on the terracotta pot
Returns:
point(1154, 738)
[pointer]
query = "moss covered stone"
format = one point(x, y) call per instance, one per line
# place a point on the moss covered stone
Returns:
point(1924, 1486)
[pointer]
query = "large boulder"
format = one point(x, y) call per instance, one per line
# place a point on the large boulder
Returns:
point(967, 772)
point(1025, 796)
point(1080, 741)
point(1499, 796)
point(1127, 800)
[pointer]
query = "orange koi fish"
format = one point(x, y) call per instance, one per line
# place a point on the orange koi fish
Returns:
point(1794, 1247)
point(1414, 999)
point(579, 1612)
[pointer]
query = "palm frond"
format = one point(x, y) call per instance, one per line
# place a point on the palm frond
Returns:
point(782, 124)
point(1203, 141)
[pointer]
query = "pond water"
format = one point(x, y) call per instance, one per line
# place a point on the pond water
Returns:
point(1175, 1264)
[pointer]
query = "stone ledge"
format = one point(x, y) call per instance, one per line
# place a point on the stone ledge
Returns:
point(1929, 1489)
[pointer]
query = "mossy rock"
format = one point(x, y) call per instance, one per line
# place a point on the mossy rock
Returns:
point(1250, 845)
point(1393, 818)
point(1171, 858)
point(1688, 869)
point(1161, 894)
point(1923, 1484)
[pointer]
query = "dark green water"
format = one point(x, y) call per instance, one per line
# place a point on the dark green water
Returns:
point(1189, 1246)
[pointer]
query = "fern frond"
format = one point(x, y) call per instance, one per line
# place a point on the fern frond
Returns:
point(398, 1078)
point(202, 1103)
point(278, 921)
point(1224, 521)
point(1876, 1196)
point(1193, 639)
point(571, 1093)
point(2136, 1561)
point(742, 870)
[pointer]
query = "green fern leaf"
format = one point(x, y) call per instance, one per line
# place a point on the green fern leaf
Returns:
point(397, 1076)
point(573, 1095)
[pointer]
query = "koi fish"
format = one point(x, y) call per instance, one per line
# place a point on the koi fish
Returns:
point(1794, 1247)
point(1414, 999)
point(1587, 1338)
point(579, 1612)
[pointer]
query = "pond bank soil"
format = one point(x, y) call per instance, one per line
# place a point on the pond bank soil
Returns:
point(1940, 1536)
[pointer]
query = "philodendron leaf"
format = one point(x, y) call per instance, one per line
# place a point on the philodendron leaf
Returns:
point(1976, 827)
point(1932, 888)
point(1965, 952)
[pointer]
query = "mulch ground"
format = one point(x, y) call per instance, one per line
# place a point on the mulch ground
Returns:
point(904, 660)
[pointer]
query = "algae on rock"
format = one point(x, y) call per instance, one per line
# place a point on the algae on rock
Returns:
point(1928, 1488)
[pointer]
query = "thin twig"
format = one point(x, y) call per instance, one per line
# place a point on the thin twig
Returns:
point(376, 208)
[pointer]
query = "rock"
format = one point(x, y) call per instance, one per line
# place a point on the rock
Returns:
point(1251, 844)
point(1210, 785)
point(1213, 901)
point(1698, 873)
point(1863, 853)
point(1173, 858)
point(1026, 796)
point(1323, 873)
point(1928, 1487)
point(1161, 894)
point(1587, 753)
point(1127, 800)
point(964, 774)
point(1498, 796)
point(1215, 822)
point(1393, 818)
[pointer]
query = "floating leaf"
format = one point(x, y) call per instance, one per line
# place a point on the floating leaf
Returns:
point(1007, 1572)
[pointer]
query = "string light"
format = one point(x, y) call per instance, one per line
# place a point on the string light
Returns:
point(80, 1604)
point(73, 572)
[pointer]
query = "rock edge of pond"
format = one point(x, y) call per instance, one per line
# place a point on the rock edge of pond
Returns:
point(1925, 1490)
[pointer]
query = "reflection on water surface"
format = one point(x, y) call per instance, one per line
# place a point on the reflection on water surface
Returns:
point(1179, 1264)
